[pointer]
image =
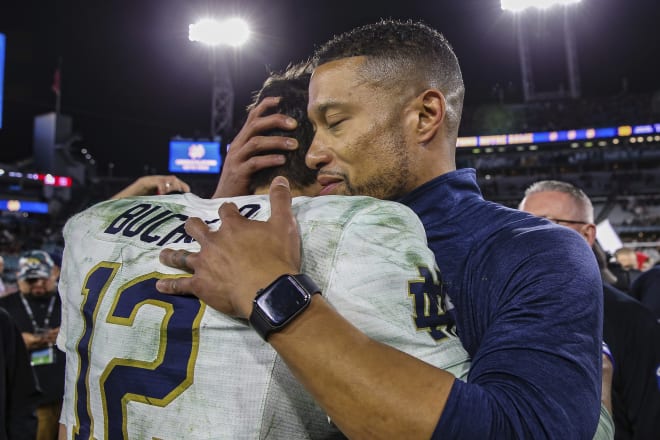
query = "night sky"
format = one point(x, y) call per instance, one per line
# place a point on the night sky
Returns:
point(131, 80)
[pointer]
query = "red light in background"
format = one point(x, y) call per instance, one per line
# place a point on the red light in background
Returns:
point(50, 180)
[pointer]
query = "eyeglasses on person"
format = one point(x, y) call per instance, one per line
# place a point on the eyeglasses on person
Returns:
point(570, 222)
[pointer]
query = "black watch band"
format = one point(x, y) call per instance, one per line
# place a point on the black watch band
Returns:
point(276, 305)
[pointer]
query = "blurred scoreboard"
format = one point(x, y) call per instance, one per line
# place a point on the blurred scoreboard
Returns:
point(191, 156)
point(560, 136)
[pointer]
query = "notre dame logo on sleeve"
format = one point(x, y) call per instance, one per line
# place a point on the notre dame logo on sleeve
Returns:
point(429, 313)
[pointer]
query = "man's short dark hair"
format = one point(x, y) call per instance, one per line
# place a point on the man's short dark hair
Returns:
point(403, 53)
point(292, 87)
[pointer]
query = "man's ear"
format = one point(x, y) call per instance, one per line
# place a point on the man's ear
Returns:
point(588, 231)
point(431, 110)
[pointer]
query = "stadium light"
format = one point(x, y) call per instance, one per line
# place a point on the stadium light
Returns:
point(521, 5)
point(231, 32)
point(518, 8)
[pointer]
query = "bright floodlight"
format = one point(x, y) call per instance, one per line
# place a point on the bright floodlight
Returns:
point(232, 32)
point(521, 5)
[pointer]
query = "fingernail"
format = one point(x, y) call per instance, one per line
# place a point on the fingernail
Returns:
point(291, 122)
point(279, 180)
point(291, 143)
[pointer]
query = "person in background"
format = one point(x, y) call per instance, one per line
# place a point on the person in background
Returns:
point(646, 288)
point(627, 258)
point(625, 268)
point(37, 312)
point(7, 277)
point(629, 329)
point(385, 100)
point(56, 258)
point(18, 387)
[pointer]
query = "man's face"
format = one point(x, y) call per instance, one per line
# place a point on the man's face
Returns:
point(556, 206)
point(33, 286)
point(359, 145)
point(627, 260)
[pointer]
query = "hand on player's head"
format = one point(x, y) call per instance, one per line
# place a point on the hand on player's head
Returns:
point(245, 156)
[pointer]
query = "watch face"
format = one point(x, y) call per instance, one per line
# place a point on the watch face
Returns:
point(282, 302)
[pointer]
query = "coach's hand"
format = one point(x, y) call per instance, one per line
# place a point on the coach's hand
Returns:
point(245, 158)
point(238, 259)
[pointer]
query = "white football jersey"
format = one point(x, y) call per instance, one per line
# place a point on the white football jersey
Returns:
point(144, 365)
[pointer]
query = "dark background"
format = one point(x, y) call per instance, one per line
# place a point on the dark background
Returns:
point(131, 79)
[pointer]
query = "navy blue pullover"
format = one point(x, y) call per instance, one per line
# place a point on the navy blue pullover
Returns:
point(528, 308)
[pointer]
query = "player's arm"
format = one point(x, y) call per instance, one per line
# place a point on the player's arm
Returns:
point(369, 390)
point(246, 154)
point(151, 185)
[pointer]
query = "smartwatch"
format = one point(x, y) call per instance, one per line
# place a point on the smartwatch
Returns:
point(276, 305)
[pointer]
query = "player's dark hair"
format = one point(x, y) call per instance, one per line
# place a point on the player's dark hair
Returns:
point(403, 54)
point(292, 87)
